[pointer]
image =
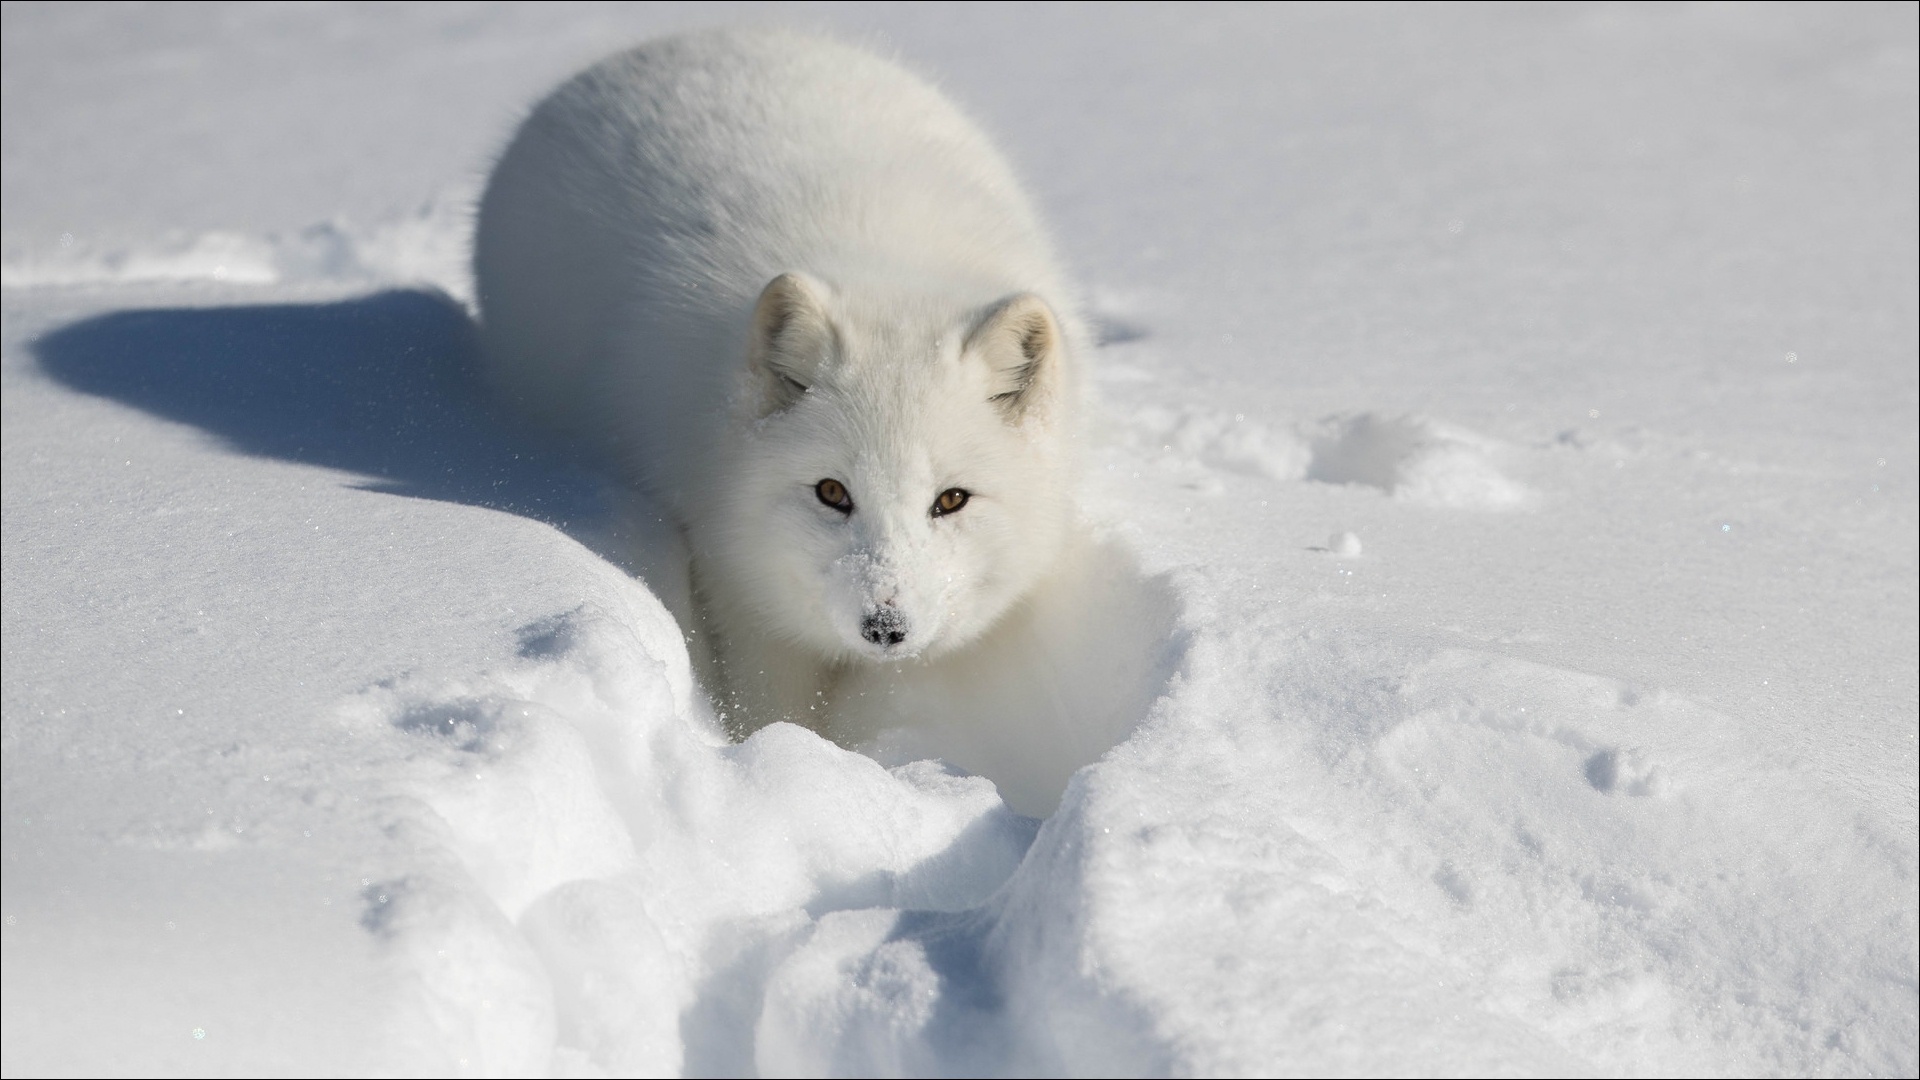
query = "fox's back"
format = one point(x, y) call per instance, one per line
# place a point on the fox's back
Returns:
point(641, 208)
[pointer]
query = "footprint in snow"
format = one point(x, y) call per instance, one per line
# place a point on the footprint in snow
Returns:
point(1626, 772)
point(1414, 459)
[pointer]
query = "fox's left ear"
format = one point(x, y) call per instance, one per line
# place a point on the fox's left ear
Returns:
point(1019, 341)
point(792, 340)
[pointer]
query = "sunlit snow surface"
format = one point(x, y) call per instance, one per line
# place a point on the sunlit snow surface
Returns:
point(1506, 480)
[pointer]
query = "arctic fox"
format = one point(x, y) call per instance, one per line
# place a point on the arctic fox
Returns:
point(801, 299)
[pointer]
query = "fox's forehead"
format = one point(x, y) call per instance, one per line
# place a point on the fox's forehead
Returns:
point(907, 430)
point(892, 356)
point(906, 371)
point(912, 436)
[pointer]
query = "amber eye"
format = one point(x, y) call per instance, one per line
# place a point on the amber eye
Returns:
point(834, 494)
point(950, 500)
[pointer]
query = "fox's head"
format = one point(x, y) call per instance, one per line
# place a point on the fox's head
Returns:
point(903, 477)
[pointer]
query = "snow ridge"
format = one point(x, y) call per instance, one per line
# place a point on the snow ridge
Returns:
point(430, 246)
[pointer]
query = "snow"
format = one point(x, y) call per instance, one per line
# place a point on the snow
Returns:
point(1500, 654)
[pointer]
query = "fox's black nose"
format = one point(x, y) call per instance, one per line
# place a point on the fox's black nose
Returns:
point(885, 627)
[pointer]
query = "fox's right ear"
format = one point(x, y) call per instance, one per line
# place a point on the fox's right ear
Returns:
point(1019, 341)
point(792, 340)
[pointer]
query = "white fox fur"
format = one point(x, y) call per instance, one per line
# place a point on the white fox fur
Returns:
point(748, 262)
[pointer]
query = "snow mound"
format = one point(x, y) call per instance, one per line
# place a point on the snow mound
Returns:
point(1412, 458)
point(1437, 836)
point(1495, 861)
point(1215, 440)
point(657, 873)
point(1344, 544)
point(426, 247)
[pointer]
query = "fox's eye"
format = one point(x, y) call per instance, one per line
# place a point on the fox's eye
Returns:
point(950, 500)
point(834, 494)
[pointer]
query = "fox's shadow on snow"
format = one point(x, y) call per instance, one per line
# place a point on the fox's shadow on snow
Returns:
point(384, 386)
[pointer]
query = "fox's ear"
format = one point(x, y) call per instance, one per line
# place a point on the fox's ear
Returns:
point(792, 340)
point(1019, 341)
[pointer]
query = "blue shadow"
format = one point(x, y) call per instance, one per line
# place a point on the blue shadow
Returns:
point(384, 386)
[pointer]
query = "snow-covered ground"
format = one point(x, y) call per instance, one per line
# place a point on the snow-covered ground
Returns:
point(1507, 473)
